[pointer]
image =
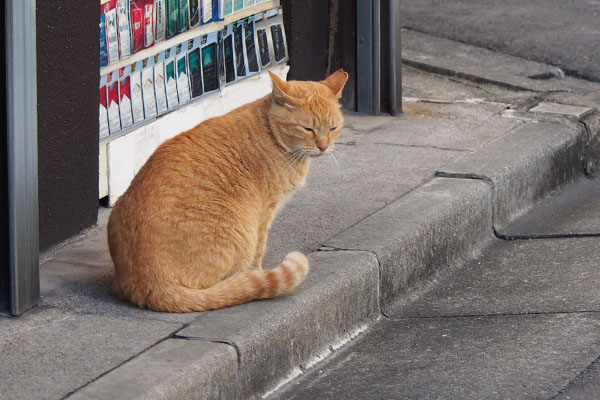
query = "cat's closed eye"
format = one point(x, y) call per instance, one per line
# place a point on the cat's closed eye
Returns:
point(306, 128)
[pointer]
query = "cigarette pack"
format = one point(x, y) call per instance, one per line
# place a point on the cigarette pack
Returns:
point(270, 37)
point(159, 82)
point(195, 66)
point(195, 13)
point(135, 89)
point(172, 18)
point(112, 94)
point(250, 45)
point(227, 7)
point(207, 11)
point(238, 5)
point(249, 3)
point(124, 29)
point(148, 87)
point(103, 112)
point(183, 82)
point(103, 47)
point(112, 31)
point(183, 22)
point(218, 10)
point(160, 17)
point(136, 15)
point(210, 62)
point(148, 23)
point(229, 56)
point(171, 78)
point(239, 52)
point(125, 97)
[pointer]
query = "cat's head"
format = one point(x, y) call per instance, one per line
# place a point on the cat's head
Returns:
point(307, 113)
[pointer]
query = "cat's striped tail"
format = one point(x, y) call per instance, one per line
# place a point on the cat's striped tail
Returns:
point(239, 288)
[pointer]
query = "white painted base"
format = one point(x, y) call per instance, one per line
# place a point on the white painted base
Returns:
point(125, 155)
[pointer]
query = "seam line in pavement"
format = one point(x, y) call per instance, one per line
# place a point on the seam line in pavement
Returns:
point(516, 314)
point(578, 376)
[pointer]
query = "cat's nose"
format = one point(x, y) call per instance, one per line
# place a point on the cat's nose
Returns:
point(322, 147)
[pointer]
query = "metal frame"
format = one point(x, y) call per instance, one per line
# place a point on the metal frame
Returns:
point(21, 112)
point(377, 55)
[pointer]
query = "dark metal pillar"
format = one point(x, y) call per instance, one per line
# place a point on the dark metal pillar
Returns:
point(21, 146)
point(379, 66)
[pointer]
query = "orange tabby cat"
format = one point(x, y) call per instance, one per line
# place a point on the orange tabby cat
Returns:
point(190, 232)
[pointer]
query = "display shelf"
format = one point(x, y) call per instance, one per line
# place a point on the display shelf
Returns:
point(193, 33)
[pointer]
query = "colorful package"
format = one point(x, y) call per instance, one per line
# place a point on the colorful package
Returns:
point(160, 17)
point(148, 87)
point(171, 78)
point(172, 18)
point(183, 22)
point(278, 41)
point(195, 11)
point(183, 83)
point(210, 62)
point(125, 98)
point(112, 31)
point(159, 82)
point(207, 11)
point(218, 10)
point(262, 41)
point(250, 45)
point(135, 89)
point(103, 47)
point(228, 54)
point(195, 67)
point(124, 30)
point(136, 14)
point(103, 112)
point(112, 91)
point(148, 23)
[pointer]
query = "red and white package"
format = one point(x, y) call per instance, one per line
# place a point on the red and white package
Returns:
point(112, 30)
point(125, 98)
point(136, 14)
point(103, 113)
point(112, 89)
point(148, 23)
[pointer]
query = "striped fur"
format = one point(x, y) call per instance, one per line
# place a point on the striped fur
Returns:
point(190, 232)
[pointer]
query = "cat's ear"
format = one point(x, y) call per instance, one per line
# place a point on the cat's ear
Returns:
point(336, 82)
point(280, 95)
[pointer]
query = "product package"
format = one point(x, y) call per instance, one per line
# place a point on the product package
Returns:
point(148, 23)
point(195, 66)
point(112, 94)
point(183, 82)
point(160, 17)
point(238, 5)
point(112, 31)
point(250, 45)
point(240, 54)
point(171, 78)
point(148, 87)
point(125, 97)
point(172, 17)
point(103, 111)
point(228, 54)
point(195, 12)
point(262, 40)
point(218, 10)
point(207, 11)
point(136, 15)
point(135, 89)
point(248, 3)
point(103, 47)
point(227, 7)
point(183, 22)
point(159, 82)
point(124, 29)
point(210, 62)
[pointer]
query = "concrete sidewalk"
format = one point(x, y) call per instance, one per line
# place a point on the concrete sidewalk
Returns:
point(378, 221)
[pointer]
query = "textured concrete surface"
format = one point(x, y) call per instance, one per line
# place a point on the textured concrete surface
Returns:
point(487, 357)
point(564, 34)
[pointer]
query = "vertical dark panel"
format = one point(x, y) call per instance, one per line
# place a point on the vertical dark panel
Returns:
point(4, 260)
point(307, 32)
point(344, 49)
point(68, 73)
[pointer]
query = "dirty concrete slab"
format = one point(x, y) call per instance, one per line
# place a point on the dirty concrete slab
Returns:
point(572, 210)
point(48, 352)
point(487, 357)
point(514, 277)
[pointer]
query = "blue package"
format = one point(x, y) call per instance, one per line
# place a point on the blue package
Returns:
point(218, 10)
point(103, 49)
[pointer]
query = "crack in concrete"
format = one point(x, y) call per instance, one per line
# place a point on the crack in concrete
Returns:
point(231, 343)
point(579, 375)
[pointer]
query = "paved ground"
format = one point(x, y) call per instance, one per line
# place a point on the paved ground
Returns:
point(562, 33)
point(380, 222)
point(520, 321)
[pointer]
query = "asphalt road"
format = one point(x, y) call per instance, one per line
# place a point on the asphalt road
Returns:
point(563, 33)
